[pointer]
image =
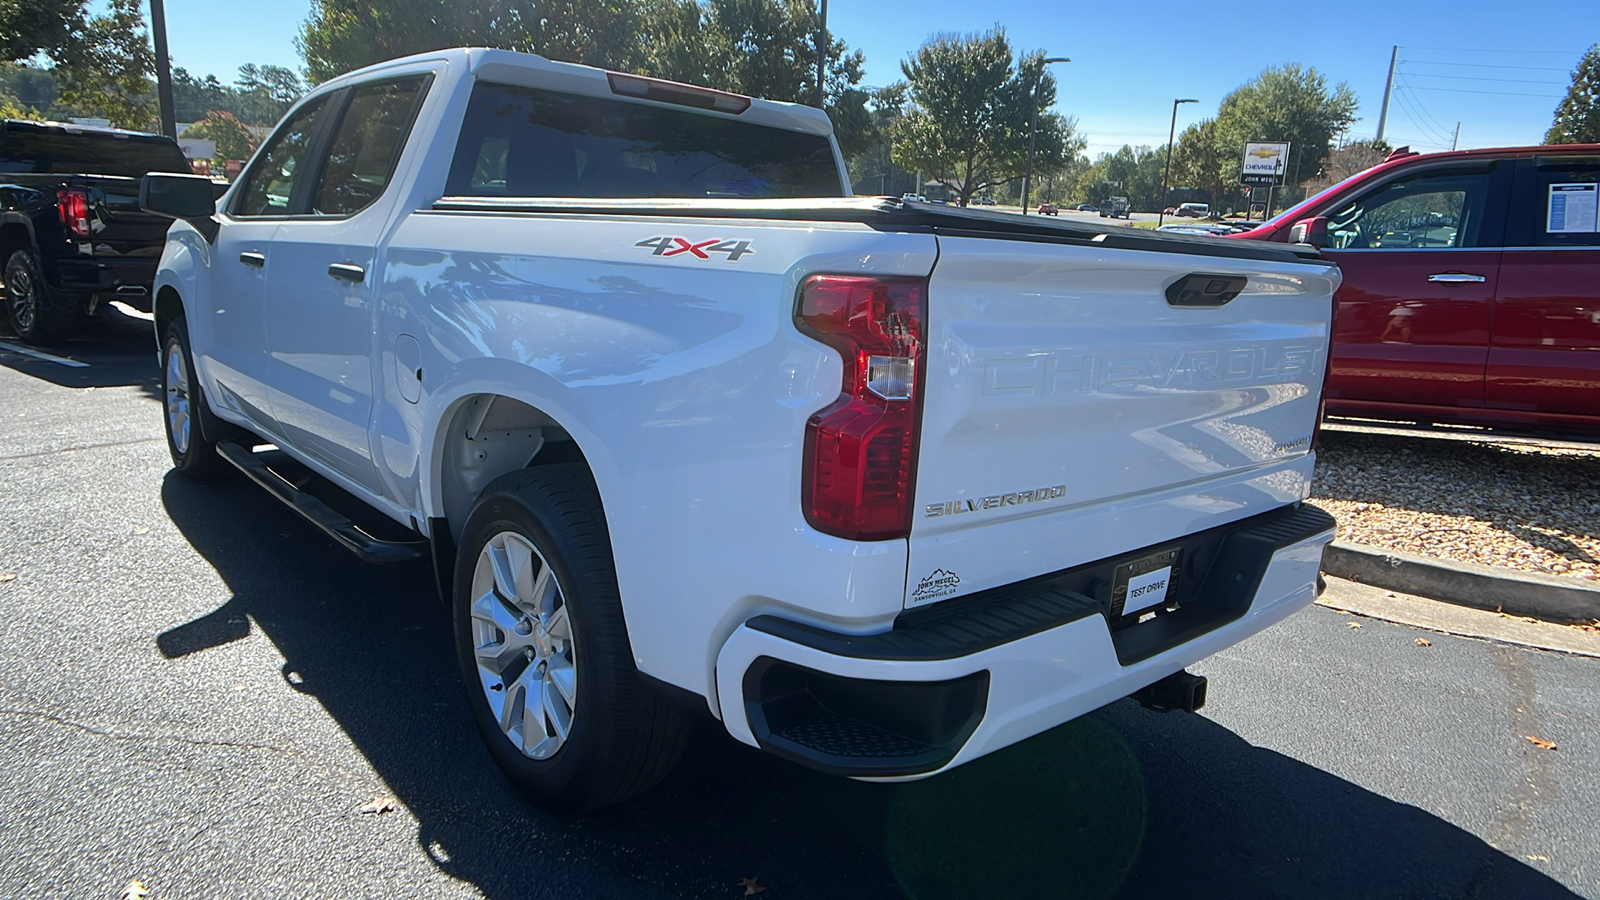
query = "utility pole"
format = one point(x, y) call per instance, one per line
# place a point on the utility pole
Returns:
point(1388, 86)
point(1457, 139)
point(158, 25)
point(822, 53)
point(1171, 131)
point(1033, 126)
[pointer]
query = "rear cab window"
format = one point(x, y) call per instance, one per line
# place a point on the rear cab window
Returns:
point(45, 150)
point(527, 142)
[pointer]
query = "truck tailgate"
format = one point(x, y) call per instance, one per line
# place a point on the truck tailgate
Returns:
point(1072, 412)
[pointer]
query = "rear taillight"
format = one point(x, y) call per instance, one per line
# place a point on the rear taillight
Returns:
point(861, 451)
point(73, 206)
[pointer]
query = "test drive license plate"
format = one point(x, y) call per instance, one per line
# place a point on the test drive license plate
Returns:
point(1144, 583)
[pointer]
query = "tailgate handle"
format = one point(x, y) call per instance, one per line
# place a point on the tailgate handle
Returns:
point(1205, 289)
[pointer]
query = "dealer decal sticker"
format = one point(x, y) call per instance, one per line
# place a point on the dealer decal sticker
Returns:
point(938, 584)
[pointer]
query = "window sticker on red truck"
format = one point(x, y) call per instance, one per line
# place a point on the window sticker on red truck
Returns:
point(677, 246)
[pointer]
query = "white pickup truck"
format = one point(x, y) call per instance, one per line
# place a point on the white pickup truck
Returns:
point(882, 486)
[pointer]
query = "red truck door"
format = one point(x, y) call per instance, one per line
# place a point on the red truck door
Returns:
point(1545, 356)
point(1421, 262)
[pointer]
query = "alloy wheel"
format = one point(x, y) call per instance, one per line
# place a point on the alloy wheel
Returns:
point(522, 641)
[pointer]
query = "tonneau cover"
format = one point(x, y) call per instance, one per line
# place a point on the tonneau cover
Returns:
point(894, 214)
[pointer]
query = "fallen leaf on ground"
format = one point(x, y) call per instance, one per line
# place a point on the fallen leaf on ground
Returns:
point(141, 529)
point(1541, 742)
point(134, 891)
point(1353, 624)
point(7, 576)
point(1534, 857)
point(750, 886)
point(1424, 642)
point(378, 805)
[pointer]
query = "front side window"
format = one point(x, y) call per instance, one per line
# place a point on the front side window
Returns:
point(1425, 212)
point(269, 187)
point(366, 146)
point(524, 142)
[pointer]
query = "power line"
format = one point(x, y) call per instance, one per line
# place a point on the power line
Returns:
point(1496, 93)
point(1412, 110)
point(1500, 80)
point(1497, 50)
point(1429, 62)
point(1419, 104)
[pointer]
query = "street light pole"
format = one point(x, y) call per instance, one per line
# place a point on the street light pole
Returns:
point(822, 52)
point(158, 27)
point(1172, 130)
point(1033, 126)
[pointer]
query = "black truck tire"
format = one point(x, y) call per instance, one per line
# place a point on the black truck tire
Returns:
point(39, 314)
point(192, 454)
point(606, 736)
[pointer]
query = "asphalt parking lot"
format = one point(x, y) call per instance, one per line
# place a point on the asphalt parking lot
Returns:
point(199, 691)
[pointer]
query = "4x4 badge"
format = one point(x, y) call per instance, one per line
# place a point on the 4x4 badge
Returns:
point(677, 246)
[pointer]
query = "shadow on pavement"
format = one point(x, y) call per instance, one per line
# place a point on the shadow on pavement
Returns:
point(1123, 803)
point(118, 349)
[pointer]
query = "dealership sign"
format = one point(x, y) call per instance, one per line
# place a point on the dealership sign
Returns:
point(1264, 162)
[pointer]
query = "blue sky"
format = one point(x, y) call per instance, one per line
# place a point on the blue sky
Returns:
point(1498, 73)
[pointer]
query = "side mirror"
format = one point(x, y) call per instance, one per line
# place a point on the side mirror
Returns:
point(177, 196)
point(1313, 231)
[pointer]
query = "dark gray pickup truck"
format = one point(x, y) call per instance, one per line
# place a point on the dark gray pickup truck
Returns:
point(71, 231)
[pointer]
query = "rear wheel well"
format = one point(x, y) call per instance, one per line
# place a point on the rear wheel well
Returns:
point(486, 436)
point(14, 236)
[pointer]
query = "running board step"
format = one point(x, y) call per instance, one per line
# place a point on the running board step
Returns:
point(332, 522)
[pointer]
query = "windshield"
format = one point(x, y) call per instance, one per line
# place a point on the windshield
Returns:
point(1301, 208)
point(54, 150)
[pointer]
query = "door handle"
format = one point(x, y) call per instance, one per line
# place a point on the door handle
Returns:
point(347, 272)
point(251, 258)
point(1456, 278)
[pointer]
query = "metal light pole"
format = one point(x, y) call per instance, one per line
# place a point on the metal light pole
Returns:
point(1033, 126)
point(1172, 130)
point(822, 52)
point(158, 28)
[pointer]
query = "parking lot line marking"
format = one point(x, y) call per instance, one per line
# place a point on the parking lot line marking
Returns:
point(44, 356)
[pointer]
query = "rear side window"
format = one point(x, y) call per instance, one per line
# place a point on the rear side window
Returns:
point(1559, 205)
point(524, 142)
point(366, 145)
point(47, 150)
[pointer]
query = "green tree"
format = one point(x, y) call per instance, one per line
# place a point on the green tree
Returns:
point(108, 68)
point(234, 140)
point(31, 27)
point(968, 122)
point(341, 35)
point(1198, 161)
point(1284, 103)
point(1348, 160)
point(1578, 116)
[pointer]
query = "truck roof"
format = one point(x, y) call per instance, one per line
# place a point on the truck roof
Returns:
point(530, 70)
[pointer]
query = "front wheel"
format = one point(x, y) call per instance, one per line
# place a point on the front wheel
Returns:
point(192, 454)
point(544, 651)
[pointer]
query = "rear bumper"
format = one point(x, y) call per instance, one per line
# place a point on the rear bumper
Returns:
point(942, 690)
point(126, 278)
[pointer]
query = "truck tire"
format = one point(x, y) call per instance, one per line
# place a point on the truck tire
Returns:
point(192, 455)
point(38, 313)
point(544, 651)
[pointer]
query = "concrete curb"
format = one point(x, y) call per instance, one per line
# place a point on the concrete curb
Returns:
point(1547, 597)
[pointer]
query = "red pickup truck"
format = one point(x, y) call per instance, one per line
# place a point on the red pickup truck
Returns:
point(1471, 287)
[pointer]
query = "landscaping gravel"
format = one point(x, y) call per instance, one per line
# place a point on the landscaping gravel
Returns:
point(1524, 507)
